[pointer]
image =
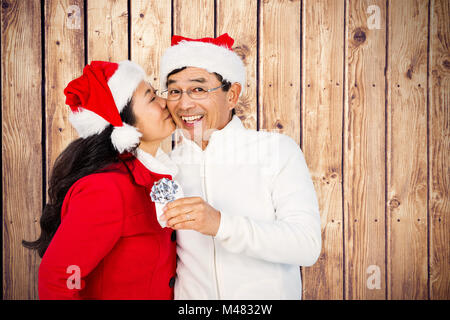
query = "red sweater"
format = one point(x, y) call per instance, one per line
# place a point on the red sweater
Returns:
point(109, 235)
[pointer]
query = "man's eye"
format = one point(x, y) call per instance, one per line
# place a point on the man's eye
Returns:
point(198, 90)
point(174, 91)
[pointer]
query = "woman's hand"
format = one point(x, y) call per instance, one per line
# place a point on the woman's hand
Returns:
point(192, 213)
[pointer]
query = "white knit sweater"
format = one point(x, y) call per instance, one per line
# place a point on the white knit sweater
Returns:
point(270, 223)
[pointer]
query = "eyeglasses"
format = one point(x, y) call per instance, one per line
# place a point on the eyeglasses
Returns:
point(196, 93)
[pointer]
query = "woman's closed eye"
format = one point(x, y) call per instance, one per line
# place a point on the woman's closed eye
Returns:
point(154, 96)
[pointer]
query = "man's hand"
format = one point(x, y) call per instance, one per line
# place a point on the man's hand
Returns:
point(192, 213)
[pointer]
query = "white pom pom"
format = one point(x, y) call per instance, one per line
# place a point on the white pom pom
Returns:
point(125, 138)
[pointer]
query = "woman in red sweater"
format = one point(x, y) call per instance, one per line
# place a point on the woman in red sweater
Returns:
point(100, 237)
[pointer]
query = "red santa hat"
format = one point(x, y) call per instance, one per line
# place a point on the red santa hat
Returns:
point(211, 54)
point(99, 95)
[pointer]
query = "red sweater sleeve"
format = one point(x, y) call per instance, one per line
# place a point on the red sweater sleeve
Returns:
point(91, 224)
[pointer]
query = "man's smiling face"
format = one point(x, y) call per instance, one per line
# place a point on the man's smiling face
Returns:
point(207, 114)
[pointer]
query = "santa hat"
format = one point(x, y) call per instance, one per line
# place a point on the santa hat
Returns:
point(99, 95)
point(211, 54)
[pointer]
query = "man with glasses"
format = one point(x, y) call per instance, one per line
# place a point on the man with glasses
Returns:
point(250, 217)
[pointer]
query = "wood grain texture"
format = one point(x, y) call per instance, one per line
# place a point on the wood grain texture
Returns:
point(107, 32)
point(322, 107)
point(279, 83)
point(370, 108)
point(407, 150)
point(150, 36)
point(439, 150)
point(364, 152)
point(64, 61)
point(21, 144)
point(239, 20)
point(194, 18)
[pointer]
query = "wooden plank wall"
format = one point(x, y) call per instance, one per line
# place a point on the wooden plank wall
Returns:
point(363, 86)
point(22, 163)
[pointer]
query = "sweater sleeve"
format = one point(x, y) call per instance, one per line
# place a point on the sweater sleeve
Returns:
point(90, 226)
point(294, 237)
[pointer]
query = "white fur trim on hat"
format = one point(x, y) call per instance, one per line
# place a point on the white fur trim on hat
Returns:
point(203, 55)
point(124, 82)
point(87, 123)
point(125, 138)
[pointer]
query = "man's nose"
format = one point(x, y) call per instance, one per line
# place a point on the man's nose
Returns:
point(185, 102)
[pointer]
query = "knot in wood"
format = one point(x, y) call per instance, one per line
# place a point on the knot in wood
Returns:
point(409, 72)
point(279, 125)
point(446, 64)
point(394, 203)
point(242, 51)
point(359, 36)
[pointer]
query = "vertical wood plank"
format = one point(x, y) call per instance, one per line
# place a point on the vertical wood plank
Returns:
point(407, 150)
point(239, 20)
point(193, 19)
point(280, 67)
point(107, 30)
point(150, 37)
point(21, 144)
point(364, 150)
point(64, 61)
point(439, 150)
point(322, 101)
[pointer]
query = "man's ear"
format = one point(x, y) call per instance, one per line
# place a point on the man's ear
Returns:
point(233, 94)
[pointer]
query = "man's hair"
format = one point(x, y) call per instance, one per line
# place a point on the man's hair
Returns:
point(226, 83)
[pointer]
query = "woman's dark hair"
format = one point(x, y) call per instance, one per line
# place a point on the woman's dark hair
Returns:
point(82, 157)
point(226, 83)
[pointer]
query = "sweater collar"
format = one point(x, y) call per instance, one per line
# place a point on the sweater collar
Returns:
point(160, 163)
point(234, 124)
point(147, 169)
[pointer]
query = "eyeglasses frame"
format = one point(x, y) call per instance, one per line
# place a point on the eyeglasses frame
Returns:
point(187, 91)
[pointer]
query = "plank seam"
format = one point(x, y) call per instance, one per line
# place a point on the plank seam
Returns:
point(428, 153)
point(386, 243)
point(171, 35)
point(300, 113)
point(344, 283)
point(85, 32)
point(171, 18)
point(129, 28)
point(258, 25)
point(301, 75)
point(215, 18)
point(43, 110)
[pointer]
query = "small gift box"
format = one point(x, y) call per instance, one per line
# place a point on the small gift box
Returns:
point(163, 192)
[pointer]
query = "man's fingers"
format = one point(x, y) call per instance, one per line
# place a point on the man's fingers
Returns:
point(181, 202)
point(185, 225)
point(189, 216)
point(174, 212)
